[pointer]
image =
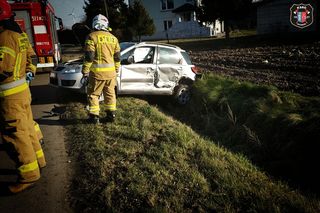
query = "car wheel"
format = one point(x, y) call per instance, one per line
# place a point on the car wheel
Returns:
point(182, 94)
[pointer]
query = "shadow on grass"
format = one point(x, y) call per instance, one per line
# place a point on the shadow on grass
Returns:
point(298, 172)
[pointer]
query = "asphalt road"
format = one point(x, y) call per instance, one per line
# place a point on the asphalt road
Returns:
point(50, 193)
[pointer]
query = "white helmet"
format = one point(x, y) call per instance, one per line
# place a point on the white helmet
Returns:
point(100, 22)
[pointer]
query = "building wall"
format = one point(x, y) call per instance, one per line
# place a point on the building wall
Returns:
point(180, 28)
point(274, 17)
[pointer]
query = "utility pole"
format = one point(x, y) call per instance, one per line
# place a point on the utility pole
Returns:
point(106, 8)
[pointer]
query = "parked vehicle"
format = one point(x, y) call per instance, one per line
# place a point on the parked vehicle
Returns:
point(146, 69)
point(38, 20)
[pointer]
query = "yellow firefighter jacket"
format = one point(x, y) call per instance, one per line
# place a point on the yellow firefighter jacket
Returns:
point(102, 55)
point(16, 58)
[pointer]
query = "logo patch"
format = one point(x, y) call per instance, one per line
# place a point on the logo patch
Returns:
point(301, 15)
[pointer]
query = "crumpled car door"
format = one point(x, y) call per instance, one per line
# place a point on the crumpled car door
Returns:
point(169, 68)
point(137, 77)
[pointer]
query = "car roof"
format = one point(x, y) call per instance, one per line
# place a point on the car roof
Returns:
point(159, 44)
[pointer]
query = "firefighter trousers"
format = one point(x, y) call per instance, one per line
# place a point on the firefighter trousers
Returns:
point(18, 133)
point(98, 87)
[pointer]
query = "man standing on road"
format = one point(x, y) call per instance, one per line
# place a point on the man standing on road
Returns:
point(101, 64)
point(17, 128)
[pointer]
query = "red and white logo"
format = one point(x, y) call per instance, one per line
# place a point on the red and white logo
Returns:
point(301, 15)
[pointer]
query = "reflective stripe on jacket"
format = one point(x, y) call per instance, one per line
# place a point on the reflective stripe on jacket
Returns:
point(13, 87)
point(100, 50)
point(16, 56)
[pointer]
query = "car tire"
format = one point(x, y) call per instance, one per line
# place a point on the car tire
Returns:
point(182, 94)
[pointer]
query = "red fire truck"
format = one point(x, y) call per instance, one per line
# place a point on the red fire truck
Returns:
point(38, 20)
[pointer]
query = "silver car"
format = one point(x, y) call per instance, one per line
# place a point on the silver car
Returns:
point(146, 69)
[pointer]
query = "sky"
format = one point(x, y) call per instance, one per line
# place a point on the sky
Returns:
point(71, 11)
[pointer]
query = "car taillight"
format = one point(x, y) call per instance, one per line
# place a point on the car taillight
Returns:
point(195, 70)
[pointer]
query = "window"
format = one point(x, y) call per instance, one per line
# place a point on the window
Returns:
point(186, 16)
point(125, 56)
point(167, 4)
point(141, 55)
point(167, 25)
point(168, 56)
point(186, 57)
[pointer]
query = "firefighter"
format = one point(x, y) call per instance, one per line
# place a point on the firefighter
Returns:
point(101, 64)
point(17, 126)
point(30, 74)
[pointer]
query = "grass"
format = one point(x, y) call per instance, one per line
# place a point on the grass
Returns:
point(277, 130)
point(148, 161)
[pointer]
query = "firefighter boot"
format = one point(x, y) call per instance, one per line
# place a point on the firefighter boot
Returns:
point(111, 115)
point(94, 119)
point(19, 187)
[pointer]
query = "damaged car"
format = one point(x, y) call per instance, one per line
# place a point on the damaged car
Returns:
point(146, 69)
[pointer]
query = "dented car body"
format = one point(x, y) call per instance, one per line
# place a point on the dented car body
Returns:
point(146, 69)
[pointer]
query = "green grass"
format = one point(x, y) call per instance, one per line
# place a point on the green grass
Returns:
point(278, 131)
point(148, 161)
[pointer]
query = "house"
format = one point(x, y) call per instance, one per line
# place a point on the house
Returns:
point(177, 19)
point(280, 16)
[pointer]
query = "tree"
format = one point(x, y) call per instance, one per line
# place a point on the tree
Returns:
point(139, 21)
point(225, 10)
point(114, 10)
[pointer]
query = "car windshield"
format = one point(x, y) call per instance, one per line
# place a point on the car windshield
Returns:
point(186, 57)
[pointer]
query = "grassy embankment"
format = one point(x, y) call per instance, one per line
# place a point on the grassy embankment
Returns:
point(148, 160)
point(278, 131)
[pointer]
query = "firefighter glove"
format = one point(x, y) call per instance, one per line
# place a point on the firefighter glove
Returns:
point(29, 77)
point(85, 80)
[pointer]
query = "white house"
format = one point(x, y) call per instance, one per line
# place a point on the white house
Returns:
point(177, 19)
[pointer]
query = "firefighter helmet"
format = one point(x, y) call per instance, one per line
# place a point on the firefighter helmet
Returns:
point(5, 10)
point(100, 22)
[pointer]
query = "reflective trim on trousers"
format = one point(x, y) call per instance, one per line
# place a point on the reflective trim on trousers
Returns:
point(111, 107)
point(29, 167)
point(94, 109)
point(39, 153)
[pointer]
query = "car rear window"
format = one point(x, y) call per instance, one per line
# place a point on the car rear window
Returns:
point(168, 56)
point(186, 57)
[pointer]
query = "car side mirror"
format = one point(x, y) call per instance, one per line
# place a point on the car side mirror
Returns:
point(130, 59)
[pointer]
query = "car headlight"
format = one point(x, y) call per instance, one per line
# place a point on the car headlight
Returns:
point(69, 71)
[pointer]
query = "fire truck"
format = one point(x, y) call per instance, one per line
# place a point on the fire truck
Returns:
point(38, 20)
